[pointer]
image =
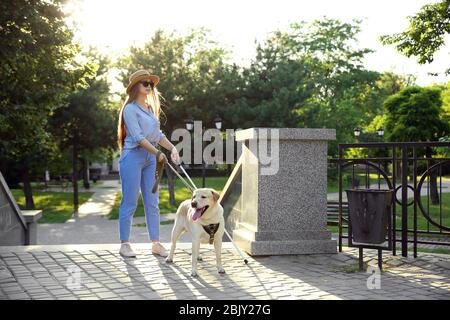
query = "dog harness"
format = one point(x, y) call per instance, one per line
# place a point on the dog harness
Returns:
point(211, 229)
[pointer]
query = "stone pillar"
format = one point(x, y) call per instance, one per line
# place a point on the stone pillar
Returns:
point(284, 211)
point(31, 218)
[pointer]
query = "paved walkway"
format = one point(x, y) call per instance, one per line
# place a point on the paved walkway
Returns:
point(91, 225)
point(98, 272)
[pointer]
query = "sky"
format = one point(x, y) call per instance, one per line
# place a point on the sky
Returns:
point(113, 25)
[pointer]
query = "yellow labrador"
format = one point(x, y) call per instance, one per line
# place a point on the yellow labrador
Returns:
point(202, 218)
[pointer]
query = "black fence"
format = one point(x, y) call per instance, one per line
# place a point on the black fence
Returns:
point(419, 174)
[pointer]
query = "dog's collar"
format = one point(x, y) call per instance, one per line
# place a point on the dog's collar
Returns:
point(211, 229)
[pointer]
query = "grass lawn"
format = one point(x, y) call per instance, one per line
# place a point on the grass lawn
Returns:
point(422, 223)
point(333, 185)
point(434, 250)
point(164, 222)
point(181, 193)
point(40, 186)
point(57, 207)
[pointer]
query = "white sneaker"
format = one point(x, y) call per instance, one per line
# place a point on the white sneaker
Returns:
point(157, 248)
point(126, 251)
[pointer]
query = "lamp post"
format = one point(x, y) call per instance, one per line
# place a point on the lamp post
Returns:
point(368, 137)
point(189, 122)
point(190, 126)
point(218, 122)
point(203, 160)
point(380, 132)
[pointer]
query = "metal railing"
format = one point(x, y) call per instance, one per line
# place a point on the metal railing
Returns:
point(419, 174)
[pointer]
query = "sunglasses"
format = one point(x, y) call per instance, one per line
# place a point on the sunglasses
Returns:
point(146, 84)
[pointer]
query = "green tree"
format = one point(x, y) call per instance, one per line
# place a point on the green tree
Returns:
point(445, 94)
point(38, 67)
point(415, 114)
point(309, 76)
point(426, 32)
point(87, 122)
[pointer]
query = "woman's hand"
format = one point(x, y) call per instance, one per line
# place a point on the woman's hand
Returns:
point(175, 156)
point(166, 144)
point(162, 158)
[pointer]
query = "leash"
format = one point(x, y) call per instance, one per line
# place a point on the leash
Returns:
point(159, 172)
point(181, 178)
point(158, 175)
point(187, 176)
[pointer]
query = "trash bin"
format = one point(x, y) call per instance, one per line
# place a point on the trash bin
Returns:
point(369, 211)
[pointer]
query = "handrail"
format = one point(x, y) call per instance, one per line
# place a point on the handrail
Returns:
point(12, 202)
point(232, 179)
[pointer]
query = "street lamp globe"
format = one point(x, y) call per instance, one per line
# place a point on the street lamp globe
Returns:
point(189, 123)
point(380, 132)
point(357, 132)
point(218, 122)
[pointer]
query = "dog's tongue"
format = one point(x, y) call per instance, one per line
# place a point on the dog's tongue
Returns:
point(197, 214)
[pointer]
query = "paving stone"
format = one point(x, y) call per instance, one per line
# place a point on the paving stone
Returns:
point(88, 297)
point(105, 295)
point(18, 296)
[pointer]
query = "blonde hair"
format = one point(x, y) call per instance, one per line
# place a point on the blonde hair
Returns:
point(153, 99)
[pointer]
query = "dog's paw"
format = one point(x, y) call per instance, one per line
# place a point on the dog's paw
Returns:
point(194, 273)
point(221, 270)
point(169, 260)
point(199, 258)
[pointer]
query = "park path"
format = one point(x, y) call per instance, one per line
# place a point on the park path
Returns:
point(91, 224)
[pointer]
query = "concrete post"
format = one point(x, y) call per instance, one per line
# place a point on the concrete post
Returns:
point(283, 210)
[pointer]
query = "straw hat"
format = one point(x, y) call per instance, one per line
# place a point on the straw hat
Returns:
point(141, 75)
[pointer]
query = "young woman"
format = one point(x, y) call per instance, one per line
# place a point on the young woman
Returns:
point(138, 135)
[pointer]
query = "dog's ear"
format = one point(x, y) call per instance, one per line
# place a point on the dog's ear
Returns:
point(216, 195)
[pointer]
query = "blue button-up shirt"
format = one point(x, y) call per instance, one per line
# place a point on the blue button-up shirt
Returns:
point(140, 124)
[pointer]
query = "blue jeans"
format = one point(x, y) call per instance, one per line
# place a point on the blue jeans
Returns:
point(137, 169)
